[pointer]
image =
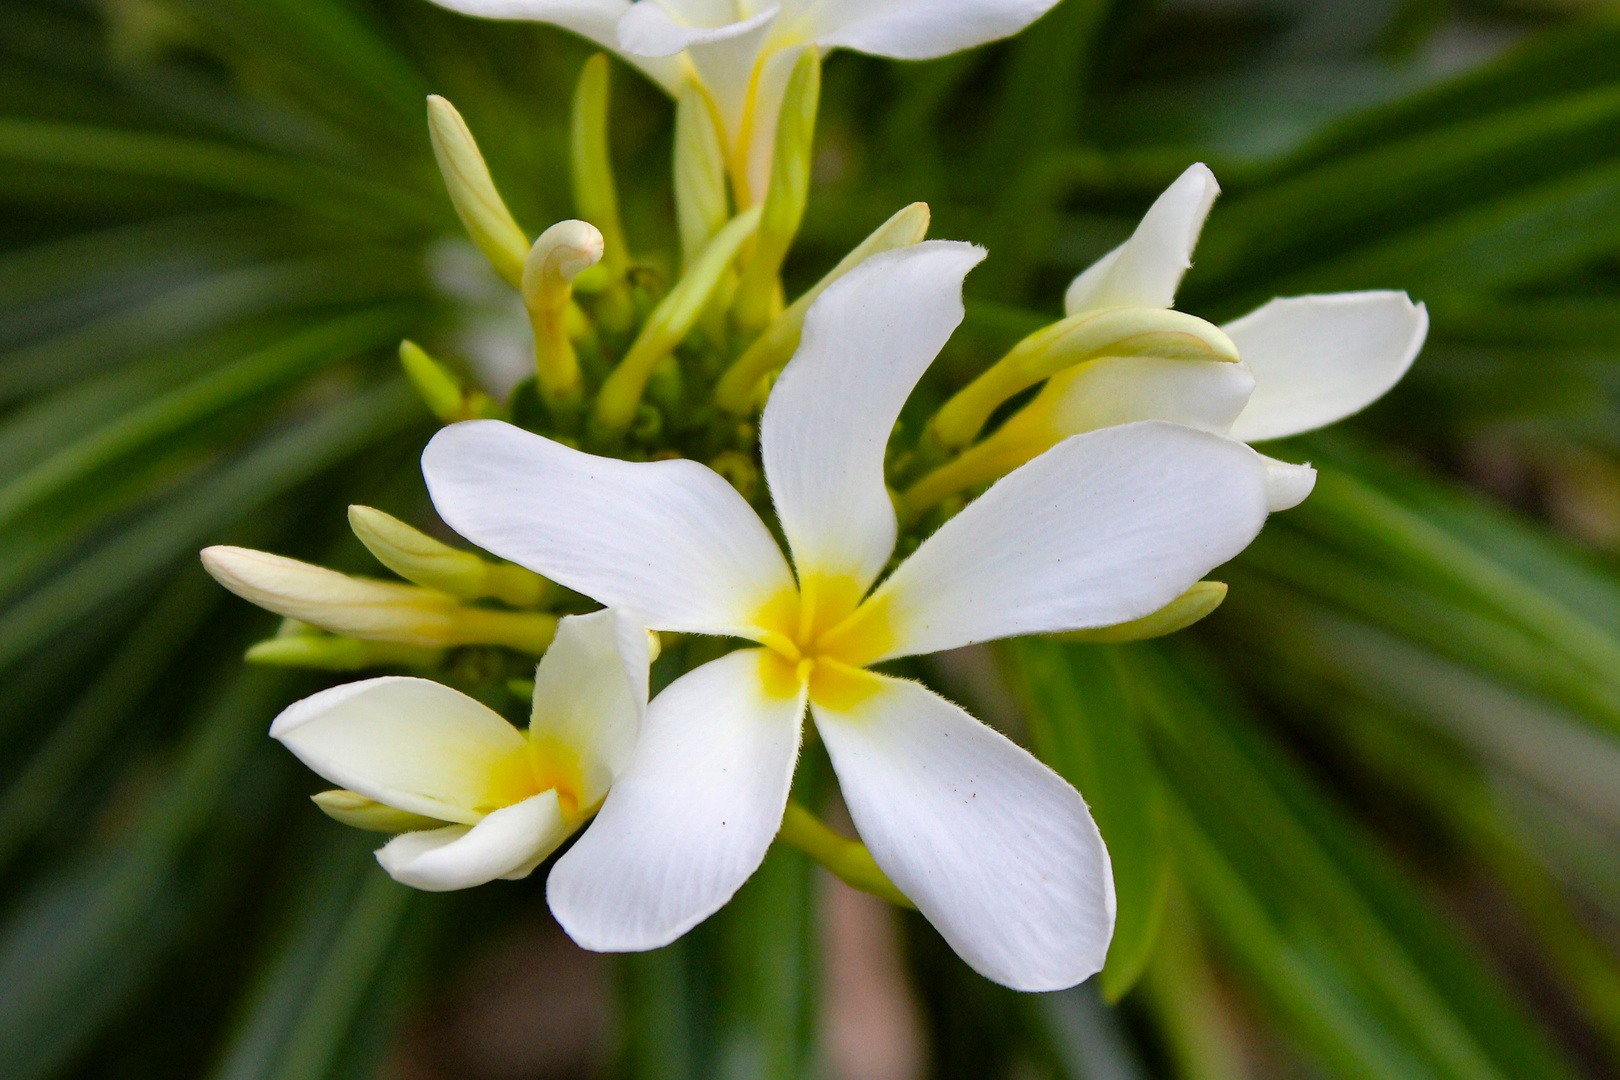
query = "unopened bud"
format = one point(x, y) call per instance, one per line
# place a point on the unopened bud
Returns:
point(595, 196)
point(771, 350)
point(374, 610)
point(440, 390)
point(1131, 331)
point(477, 203)
point(700, 171)
point(352, 808)
point(321, 651)
point(418, 557)
point(1178, 614)
point(556, 258)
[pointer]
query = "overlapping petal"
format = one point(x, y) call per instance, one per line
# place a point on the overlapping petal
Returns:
point(1287, 484)
point(590, 694)
point(412, 744)
point(669, 541)
point(1101, 529)
point(1317, 359)
point(996, 849)
point(917, 29)
point(1145, 270)
point(1111, 390)
point(867, 340)
point(510, 842)
point(690, 818)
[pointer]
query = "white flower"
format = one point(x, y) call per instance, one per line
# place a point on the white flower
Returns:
point(992, 846)
point(1308, 361)
point(497, 801)
point(742, 51)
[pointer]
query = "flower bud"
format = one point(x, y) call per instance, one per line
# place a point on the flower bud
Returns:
point(329, 652)
point(416, 556)
point(700, 171)
point(1127, 331)
point(595, 195)
point(556, 258)
point(440, 390)
point(772, 349)
point(479, 205)
point(373, 610)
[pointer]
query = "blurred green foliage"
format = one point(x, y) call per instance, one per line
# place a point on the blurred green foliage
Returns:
point(1365, 820)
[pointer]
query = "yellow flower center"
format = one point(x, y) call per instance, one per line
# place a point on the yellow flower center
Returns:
point(823, 636)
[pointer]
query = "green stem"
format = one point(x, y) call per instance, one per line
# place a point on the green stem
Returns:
point(846, 858)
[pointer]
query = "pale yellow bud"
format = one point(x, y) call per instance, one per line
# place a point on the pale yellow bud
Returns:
point(321, 651)
point(352, 808)
point(440, 390)
point(595, 195)
point(374, 610)
point(700, 171)
point(557, 257)
point(771, 350)
point(477, 203)
point(1126, 331)
point(416, 556)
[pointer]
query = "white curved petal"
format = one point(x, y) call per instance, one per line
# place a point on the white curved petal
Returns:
point(1317, 359)
point(690, 818)
point(1145, 270)
point(594, 20)
point(918, 29)
point(867, 340)
point(1101, 529)
point(412, 744)
point(590, 694)
point(648, 30)
point(669, 541)
point(1287, 484)
point(996, 849)
point(458, 857)
point(1205, 394)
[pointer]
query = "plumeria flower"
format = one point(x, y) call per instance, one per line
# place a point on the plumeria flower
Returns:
point(1306, 361)
point(472, 797)
point(742, 51)
point(992, 846)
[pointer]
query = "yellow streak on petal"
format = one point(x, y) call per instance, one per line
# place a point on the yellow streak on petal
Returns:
point(862, 637)
point(555, 766)
point(780, 676)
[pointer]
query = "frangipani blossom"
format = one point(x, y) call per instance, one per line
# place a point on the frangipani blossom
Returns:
point(1307, 361)
point(483, 800)
point(742, 51)
point(992, 846)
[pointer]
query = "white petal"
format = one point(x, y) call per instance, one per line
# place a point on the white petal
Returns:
point(1287, 484)
point(1101, 529)
point(691, 817)
point(918, 29)
point(669, 541)
point(648, 30)
point(412, 744)
point(867, 340)
point(458, 857)
point(1145, 270)
point(995, 848)
point(1205, 394)
point(1317, 359)
point(595, 20)
point(590, 694)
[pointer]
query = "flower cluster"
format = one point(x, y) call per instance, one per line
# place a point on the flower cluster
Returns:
point(636, 500)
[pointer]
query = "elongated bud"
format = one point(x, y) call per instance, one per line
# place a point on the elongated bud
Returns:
point(595, 196)
point(439, 388)
point(479, 205)
point(1159, 332)
point(556, 258)
point(352, 808)
point(374, 610)
point(669, 322)
point(760, 292)
point(772, 349)
point(1178, 614)
point(700, 171)
point(416, 556)
point(330, 652)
